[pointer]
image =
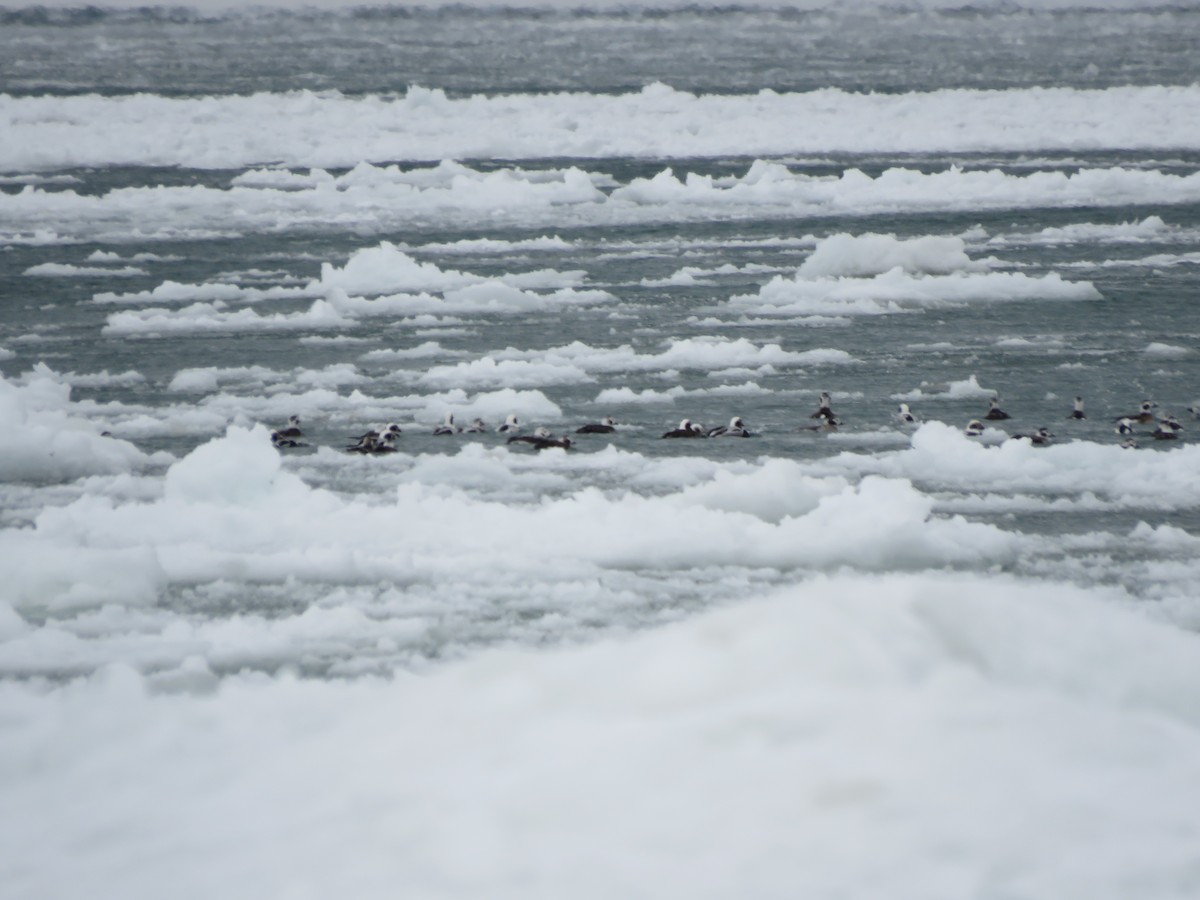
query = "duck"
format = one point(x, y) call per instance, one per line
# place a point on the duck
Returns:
point(541, 439)
point(974, 428)
point(280, 441)
point(904, 416)
point(562, 443)
point(1143, 416)
point(368, 439)
point(607, 425)
point(541, 433)
point(994, 412)
point(477, 426)
point(1125, 426)
point(825, 410)
point(1040, 438)
point(827, 423)
point(687, 429)
point(385, 444)
point(371, 441)
point(735, 428)
point(1168, 429)
point(1077, 412)
point(509, 424)
point(291, 430)
point(448, 426)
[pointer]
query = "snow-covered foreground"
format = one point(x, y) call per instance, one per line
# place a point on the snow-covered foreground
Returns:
point(911, 736)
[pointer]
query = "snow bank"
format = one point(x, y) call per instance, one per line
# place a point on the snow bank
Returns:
point(941, 457)
point(58, 132)
point(271, 526)
point(979, 736)
point(44, 438)
point(875, 274)
point(380, 201)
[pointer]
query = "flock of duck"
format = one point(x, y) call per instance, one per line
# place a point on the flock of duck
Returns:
point(382, 438)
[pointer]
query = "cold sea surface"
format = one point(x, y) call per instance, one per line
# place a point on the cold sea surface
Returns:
point(637, 666)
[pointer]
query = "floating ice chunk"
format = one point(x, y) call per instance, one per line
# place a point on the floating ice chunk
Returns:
point(43, 438)
point(897, 291)
point(873, 254)
point(386, 269)
point(1166, 351)
point(967, 389)
point(241, 467)
point(66, 270)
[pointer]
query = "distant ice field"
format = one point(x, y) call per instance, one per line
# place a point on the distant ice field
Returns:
point(879, 657)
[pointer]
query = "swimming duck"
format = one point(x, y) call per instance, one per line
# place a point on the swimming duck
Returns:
point(827, 423)
point(291, 430)
point(905, 416)
point(1039, 438)
point(285, 442)
point(448, 426)
point(1168, 429)
point(825, 410)
point(541, 433)
point(735, 428)
point(974, 428)
point(1077, 412)
point(509, 424)
point(994, 411)
point(687, 429)
point(607, 425)
point(1144, 416)
point(477, 426)
point(563, 443)
point(385, 444)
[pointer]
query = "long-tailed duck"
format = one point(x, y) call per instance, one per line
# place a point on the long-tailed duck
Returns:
point(541, 433)
point(735, 428)
point(1039, 438)
point(607, 425)
point(509, 424)
point(825, 410)
point(280, 441)
point(1168, 429)
point(1077, 412)
point(448, 426)
point(687, 429)
point(385, 444)
point(1144, 416)
point(562, 443)
point(994, 411)
point(291, 430)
